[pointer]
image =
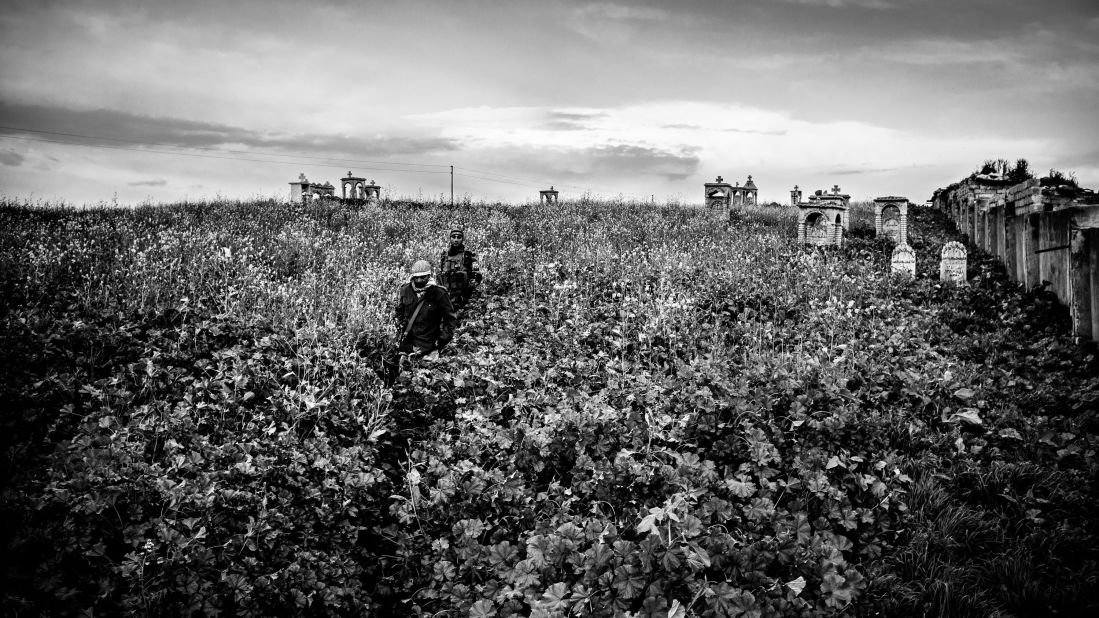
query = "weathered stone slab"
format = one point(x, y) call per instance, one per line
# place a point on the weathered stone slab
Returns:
point(891, 224)
point(904, 261)
point(953, 263)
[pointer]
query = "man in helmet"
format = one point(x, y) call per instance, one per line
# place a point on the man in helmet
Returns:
point(425, 319)
point(458, 271)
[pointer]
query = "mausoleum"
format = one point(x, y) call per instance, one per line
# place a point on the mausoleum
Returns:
point(823, 219)
point(720, 193)
point(302, 190)
point(891, 218)
point(547, 196)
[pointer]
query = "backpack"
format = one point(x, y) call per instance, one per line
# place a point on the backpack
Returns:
point(452, 272)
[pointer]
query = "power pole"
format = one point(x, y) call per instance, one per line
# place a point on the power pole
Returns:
point(451, 186)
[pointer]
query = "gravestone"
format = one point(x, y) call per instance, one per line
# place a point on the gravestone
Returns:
point(817, 232)
point(904, 261)
point(952, 266)
point(891, 223)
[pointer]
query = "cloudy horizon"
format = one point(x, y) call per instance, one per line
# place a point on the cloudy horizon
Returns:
point(158, 101)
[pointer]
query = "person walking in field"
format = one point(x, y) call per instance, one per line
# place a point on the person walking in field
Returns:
point(425, 320)
point(458, 271)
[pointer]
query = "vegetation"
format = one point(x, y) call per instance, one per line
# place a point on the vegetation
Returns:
point(1057, 178)
point(649, 411)
point(1010, 173)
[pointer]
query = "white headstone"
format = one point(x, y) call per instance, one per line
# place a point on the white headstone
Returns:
point(904, 261)
point(952, 266)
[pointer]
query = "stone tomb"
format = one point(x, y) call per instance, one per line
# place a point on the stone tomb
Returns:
point(904, 261)
point(891, 218)
point(303, 190)
point(823, 219)
point(952, 266)
point(820, 225)
point(547, 196)
point(355, 188)
point(718, 194)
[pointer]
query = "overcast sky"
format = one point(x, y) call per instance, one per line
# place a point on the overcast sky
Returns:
point(193, 99)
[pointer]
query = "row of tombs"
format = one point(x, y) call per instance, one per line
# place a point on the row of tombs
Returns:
point(1046, 233)
point(355, 189)
point(824, 215)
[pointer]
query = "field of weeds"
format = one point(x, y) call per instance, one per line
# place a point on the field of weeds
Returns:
point(648, 411)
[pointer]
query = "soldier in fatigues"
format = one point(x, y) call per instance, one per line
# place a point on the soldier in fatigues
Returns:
point(425, 320)
point(458, 271)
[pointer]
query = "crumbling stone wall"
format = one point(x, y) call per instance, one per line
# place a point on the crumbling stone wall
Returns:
point(1045, 235)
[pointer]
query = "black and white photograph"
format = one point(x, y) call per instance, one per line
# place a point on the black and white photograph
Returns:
point(549, 308)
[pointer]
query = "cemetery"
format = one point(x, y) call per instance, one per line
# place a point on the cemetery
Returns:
point(827, 408)
point(352, 189)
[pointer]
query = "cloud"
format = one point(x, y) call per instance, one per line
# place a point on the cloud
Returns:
point(570, 121)
point(124, 129)
point(149, 183)
point(613, 11)
point(859, 171)
point(674, 164)
point(14, 159)
point(937, 52)
point(842, 4)
point(612, 24)
point(698, 127)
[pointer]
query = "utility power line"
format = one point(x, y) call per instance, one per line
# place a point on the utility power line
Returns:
point(540, 182)
point(210, 156)
point(221, 154)
point(218, 150)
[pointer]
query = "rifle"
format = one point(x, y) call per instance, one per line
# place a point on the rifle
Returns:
point(391, 367)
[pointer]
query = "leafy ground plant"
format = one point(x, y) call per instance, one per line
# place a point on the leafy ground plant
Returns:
point(648, 411)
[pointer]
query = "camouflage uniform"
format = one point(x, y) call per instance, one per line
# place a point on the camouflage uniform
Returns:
point(458, 271)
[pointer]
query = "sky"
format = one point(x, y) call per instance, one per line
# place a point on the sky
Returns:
point(136, 101)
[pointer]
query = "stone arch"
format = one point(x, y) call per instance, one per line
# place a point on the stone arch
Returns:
point(816, 228)
point(891, 222)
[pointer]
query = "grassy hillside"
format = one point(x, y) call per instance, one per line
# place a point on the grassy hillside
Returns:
point(648, 411)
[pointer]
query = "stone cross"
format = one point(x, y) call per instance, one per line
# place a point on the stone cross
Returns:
point(719, 179)
point(904, 261)
point(301, 177)
point(952, 266)
point(835, 189)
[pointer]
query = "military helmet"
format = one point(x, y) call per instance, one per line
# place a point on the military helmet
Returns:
point(420, 268)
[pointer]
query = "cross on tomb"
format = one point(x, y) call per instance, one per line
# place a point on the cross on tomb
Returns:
point(835, 189)
point(719, 179)
point(301, 177)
